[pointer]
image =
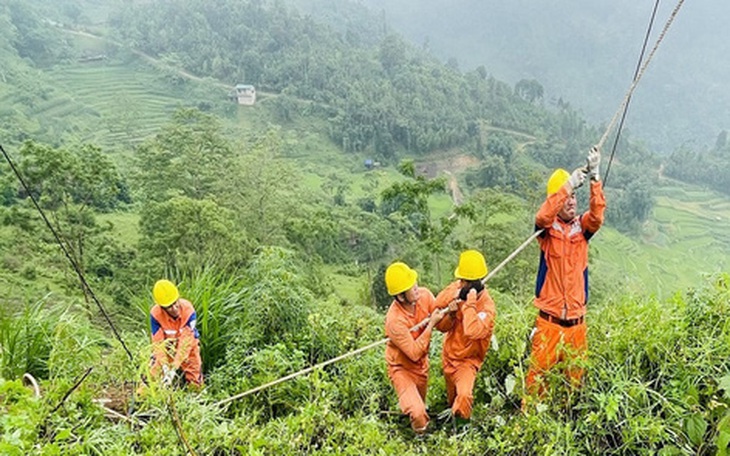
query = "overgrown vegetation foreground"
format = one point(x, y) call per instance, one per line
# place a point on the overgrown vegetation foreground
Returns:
point(252, 240)
point(657, 380)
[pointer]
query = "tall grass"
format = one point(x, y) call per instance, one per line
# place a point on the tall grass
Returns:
point(657, 382)
point(216, 297)
point(265, 303)
point(26, 340)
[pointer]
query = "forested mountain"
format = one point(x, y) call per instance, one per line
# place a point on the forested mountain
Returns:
point(277, 221)
point(383, 95)
point(586, 52)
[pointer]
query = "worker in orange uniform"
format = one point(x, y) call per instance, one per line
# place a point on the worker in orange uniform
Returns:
point(561, 292)
point(406, 352)
point(174, 336)
point(468, 327)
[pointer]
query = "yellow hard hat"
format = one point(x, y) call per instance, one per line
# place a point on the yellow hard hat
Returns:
point(557, 180)
point(165, 293)
point(399, 278)
point(472, 266)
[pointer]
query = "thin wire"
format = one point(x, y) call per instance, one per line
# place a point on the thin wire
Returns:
point(76, 267)
point(626, 108)
point(641, 73)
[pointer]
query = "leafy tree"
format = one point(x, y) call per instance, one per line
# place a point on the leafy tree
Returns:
point(410, 199)
point(392, 53)
point(710, 168)
point(263, 189)
point(502, 146)
point(70, 185)
point(189, 157)
point(379, 291)
point(184, 233)
point(529, 90)
point(405, 203)
point(499, 223)
point(336, 187)
point(492, 173)
point(630, 204)
point(34, 38)
point(340, 234)
point(59, 177)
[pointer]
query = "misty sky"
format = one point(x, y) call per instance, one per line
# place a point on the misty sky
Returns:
point(586, 52)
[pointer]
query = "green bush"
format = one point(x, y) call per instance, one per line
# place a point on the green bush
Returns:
point(657, 382)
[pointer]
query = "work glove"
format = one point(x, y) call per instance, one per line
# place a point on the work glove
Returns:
point(454, 305)
point(594, 160)
point(577, 178)
point(493, 344)
point(168, 375)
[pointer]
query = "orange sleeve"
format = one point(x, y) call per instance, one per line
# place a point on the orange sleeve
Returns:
point(184, 346)
point(478, 324)
point(428, 301)
point(593, 219)
point(158, 339)
point(400, 334)
point(550, 208)
point(186, 341)
point(442, 301)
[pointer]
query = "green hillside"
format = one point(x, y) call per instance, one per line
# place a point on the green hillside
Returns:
point(277, 222)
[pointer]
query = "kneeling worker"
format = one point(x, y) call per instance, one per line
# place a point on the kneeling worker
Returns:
point(174, 335)
point(407, 351)
point(468, 329)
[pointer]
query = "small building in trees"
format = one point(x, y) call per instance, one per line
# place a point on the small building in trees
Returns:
point(245, 94)
point(370, 164)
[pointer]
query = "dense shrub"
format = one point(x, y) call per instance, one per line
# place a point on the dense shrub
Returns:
point(657, 382)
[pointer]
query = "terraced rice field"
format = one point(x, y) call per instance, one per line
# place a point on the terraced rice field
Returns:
point(129, 104)
point(687, 237)
point(101, 102)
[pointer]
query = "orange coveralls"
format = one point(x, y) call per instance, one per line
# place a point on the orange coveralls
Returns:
point(175, 342)
point(561, 291)
point(406, 354)
point(468, 333)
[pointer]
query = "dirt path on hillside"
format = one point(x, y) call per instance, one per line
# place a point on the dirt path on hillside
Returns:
point(180, 72)
point(456, 196)
point(148, 58)
point(526, 136)
point(449, 165)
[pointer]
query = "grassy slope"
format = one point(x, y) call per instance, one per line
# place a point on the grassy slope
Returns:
point(115, 102)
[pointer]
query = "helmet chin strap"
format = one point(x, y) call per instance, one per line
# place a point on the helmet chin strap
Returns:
point(403, 300)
